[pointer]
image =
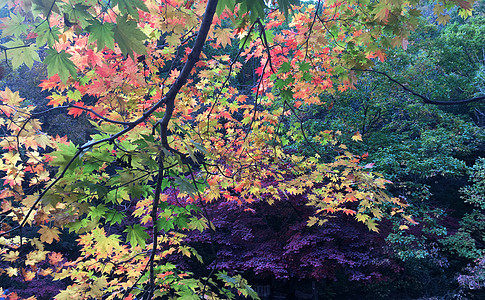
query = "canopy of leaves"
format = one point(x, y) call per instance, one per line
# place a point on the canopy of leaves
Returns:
point(172, 135)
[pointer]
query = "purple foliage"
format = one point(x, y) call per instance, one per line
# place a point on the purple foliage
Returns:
point(273, 241)
point(42, 287)
point(475, 277)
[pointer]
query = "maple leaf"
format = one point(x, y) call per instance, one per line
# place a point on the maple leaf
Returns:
point(46, 34)
point(224, 36)
point(50, 83)
point(443, 19)
point(28, 275)
point(45, 7)
point(76, 112)
point(77, 14)
point(11, 256)
point(371, 224)
point(131, 7)
point(102, 34)
point(56, 99)
point(45, 272)
point(55, 258)
point(49, 234)
point(381, 11)
point(106, 244)
point(14, 25)
point(43, 140)
point(66, 295)
point(128, 37)
point(410, 219)
point(223, 4)
point(12, 272)
point(357, 137)
point(10, 98)
point(136, 235)
point(59, 63)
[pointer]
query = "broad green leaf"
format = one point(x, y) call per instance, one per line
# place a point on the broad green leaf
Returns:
point(285, 67)
point(223, 4)
point(130, 7)
point(15, 25)
point(114, 216)
point(129, 37)
point(44, 7)
point(78, 14)
point(59, 63)
point(46, 35)
point(118, 195)
point(21, 53)
point(64, 154)
point(285, 6)
point(136, 235)
point(185, 185)
point(254, 7)
point(199, 224)
point(102, 34)
point(165, 224)
point(98, 211)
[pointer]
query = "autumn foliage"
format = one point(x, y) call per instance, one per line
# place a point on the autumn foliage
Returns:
point(167, 122)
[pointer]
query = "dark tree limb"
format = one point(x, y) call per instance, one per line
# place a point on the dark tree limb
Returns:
point(156, 200)
point(193, 57)
point(424, 98)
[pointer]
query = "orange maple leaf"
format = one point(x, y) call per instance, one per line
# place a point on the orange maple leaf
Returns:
point(48, 234)
point(55, 258)
point(50, 83)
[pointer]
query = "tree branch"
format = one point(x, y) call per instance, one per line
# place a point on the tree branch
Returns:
point(424, 98)
point(193, 57)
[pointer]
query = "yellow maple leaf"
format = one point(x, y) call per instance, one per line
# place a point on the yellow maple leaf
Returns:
point(223, 36)
point(12, 271)
point(45, 272)
point(11, 157)
point(11, 256)
point(357, 137)
point(48, 234)
point(43, 140)
point(10, 98)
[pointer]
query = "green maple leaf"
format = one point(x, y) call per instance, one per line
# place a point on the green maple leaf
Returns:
point(14, 26)
point(185, 185)
point(102, 33)
point(129, 37)
point(46, 34)
point(22, 55)
point(114, 217)
point(46, 7)
point(64, 154)
point(199, 224)
point(59, 63)
point(97, 212)
point(222, 4)
point(285, 5)
point(255, 7)
point(78, 14)
point(130, 7)
point(136, 235)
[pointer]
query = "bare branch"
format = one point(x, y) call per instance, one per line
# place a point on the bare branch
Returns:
point(424, 98)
